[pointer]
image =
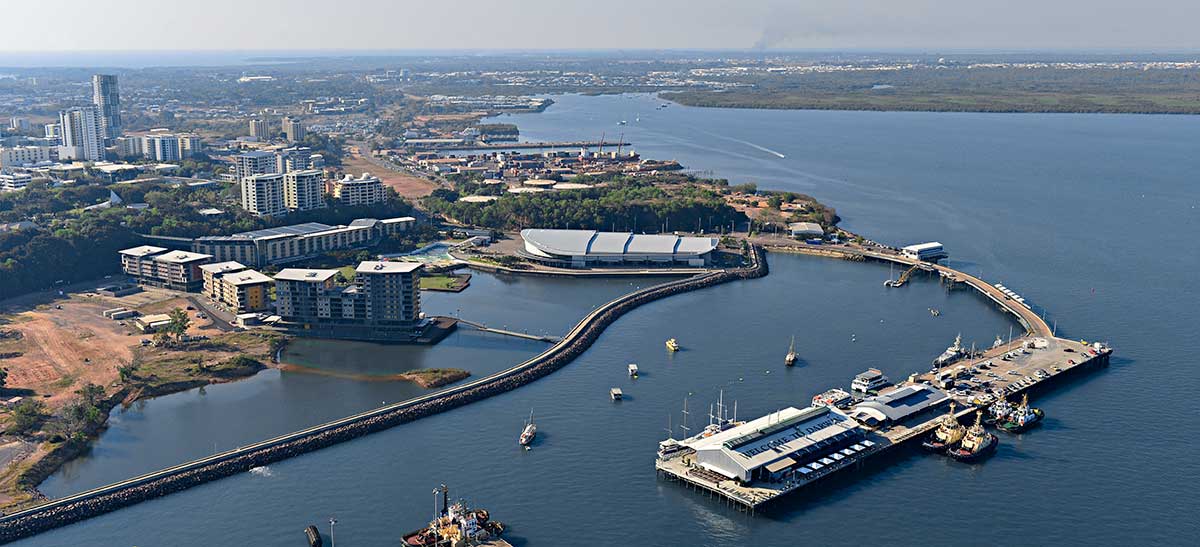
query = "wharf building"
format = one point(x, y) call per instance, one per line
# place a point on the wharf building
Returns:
point(285, 244)
point(931, 251)
point(383, 303)
point(365, 190)
point(159, 267)
point(588, 248)
point(778, 445)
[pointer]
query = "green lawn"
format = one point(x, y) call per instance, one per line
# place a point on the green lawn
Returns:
point(444, 282)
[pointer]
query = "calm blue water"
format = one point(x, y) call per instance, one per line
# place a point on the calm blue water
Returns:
point(1092, 217)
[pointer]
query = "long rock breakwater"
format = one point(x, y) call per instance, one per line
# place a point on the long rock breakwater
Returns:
point(101, 500)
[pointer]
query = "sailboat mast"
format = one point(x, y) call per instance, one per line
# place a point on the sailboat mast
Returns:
point(684, 427)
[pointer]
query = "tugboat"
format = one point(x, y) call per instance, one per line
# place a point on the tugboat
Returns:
point(790, 358)
point(529, 432)
point(952, 353)
point(454, 525)
point(1021, 419)
point(672, 345)
point(948, 433)
point(976, 444)
point(999, 411)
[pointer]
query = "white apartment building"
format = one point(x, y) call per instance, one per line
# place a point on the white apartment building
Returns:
point(302, 190)
point(11, 182)
point(19, 156)
point(262, 194)
point(82, 134)
point(364, 190)
point(161, 147)
point(253, 163)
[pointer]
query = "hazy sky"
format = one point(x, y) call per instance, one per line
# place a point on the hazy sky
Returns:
point(599, 24)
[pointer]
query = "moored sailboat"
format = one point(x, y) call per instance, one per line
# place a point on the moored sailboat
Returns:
point(529, 432)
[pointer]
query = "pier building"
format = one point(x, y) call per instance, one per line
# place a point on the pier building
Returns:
point(771, 447)
point(925, 251)
point(587, 248)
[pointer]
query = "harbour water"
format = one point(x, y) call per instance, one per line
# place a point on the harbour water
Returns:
point(1091, 217)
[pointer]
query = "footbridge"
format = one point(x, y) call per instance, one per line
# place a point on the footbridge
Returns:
point(527, 336)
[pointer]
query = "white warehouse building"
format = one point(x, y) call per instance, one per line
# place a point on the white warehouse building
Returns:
point(583, 248)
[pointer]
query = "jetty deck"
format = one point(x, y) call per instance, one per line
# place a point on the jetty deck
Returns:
point(1015, 369)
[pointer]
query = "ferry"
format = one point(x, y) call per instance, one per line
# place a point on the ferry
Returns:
point(870, 380)
point(454, 525)
point(529, 432)
point(952, 353)
point(834, 398)
point(948, 433)
point(672, 345)
point(1022, 419)
point(790, 358)
point(976, 444)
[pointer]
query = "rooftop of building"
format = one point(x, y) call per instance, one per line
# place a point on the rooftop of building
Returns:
point(777, 435)
point(143, 250)
point(245, 277)
point(304, 274)
point(223, 267)
point(372, 266)
point(585, 242)
point(181, 257)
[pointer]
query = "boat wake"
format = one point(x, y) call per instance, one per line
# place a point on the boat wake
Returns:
point(262, 471)
point(755, 146)
point(747, 143)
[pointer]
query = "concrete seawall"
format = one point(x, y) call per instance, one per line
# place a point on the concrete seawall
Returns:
point(101, 500)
